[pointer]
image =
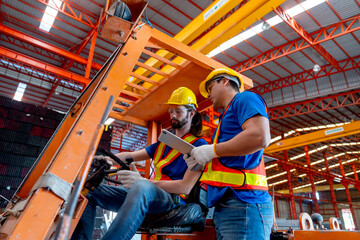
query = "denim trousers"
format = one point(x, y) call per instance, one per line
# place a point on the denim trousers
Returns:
point(131, 206)
point(236, 220)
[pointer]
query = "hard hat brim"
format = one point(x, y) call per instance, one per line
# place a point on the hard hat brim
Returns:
point(220, 73)
point(202, 88)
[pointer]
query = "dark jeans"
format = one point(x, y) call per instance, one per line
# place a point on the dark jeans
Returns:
point(131, 206)
point(235, 219)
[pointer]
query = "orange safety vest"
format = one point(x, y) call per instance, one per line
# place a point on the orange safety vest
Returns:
point(219, 175)
point(160, 163)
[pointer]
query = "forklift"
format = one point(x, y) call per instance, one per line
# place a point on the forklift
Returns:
point(51, 199)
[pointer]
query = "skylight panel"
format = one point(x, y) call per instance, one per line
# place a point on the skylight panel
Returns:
point(258, 28)
point(50, 15)
point(20, 91)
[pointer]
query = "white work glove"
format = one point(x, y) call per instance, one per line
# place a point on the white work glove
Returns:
point(203, 154)
point(129, 177)
point(190, 161)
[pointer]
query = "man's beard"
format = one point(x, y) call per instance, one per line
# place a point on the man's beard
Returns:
point(179, 123)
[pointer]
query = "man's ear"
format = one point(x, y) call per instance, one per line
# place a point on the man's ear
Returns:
point(192, 113)
point(225, 81)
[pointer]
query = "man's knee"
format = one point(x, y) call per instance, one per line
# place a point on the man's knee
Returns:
point(142, 186)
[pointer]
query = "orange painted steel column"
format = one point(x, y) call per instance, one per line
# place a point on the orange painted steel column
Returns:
point(311, 176)
point(331, 185)
point(333, 197)
point(341, 167)
point(151, 138)
point(356, 176)
point(291, 192)
point(91, 54)
point(348, 196)
point(354, 170)
point(277, 207)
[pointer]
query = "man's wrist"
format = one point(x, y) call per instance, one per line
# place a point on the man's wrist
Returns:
point(214, 148)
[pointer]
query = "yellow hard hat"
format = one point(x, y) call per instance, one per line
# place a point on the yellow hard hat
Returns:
point(182, 96)
point(228, 73)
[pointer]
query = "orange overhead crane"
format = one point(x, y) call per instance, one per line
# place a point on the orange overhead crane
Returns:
point(314, 137)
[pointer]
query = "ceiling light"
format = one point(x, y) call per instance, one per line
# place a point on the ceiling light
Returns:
point(265, 26)
point(50, 15)
point(316, 68)
point(270, 166)
point(271, 22)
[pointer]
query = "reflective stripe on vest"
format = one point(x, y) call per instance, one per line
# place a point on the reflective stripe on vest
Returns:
point(170, 156)
point(216, 174)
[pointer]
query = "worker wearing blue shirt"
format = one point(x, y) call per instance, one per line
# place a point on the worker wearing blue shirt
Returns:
point(234, 167)
point(138, 196)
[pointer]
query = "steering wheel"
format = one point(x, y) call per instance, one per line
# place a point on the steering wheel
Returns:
point(100, 169)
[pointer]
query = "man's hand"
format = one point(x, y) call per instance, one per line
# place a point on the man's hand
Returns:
point(122, 156)
point(128, 178)
point(105, 158)
point(203, 154)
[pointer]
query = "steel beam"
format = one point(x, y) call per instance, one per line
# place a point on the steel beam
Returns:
point(46, 46)
point(74, 11)
point(18, 57)
point(339, 100)
point(21, 69)
point(333, 31)
point(233, 25)
point(91, 55)
point(67, 65)
point(315, 172)
point(291, 22)
point(327, 70)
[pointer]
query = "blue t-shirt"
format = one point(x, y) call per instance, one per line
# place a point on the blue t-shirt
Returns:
point(245, 105)
point(177, 168)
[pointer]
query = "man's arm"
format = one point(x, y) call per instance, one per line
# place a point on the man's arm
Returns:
point(182, 186)
point(255, 136)
point(139, 155)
